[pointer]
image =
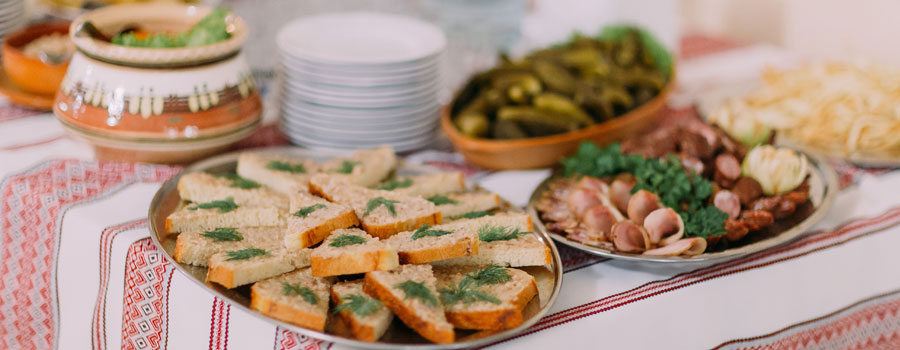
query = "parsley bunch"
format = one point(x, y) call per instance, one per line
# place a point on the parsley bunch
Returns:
point(686, 192)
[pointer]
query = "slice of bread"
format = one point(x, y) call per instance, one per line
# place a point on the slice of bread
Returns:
point(195, 248)
point(454, 205)
point(295, 297)
point(350, 251)
point(426, 185)
point(410, 291)
point(236, 267)
point(366, 317)
point(194, 218)
point(365, 167)
point(311, 219)
point(507, 249)
point(204, 187)
point(481, 304)
point(281, 173)
point(432, 243)
point(409, 212)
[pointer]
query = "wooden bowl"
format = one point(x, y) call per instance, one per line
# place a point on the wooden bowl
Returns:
point(546, 151)
point(29, 73)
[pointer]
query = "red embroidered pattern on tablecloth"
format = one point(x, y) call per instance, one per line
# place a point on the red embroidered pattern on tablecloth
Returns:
point(98, 321)
point(218, 325)
point(873, 323)
point(31, 203)
point(12, 112)
point(287, 340)
point(146, 297)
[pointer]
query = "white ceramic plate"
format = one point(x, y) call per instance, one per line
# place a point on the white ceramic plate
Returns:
point(367, 123)
point(372, 103)
point(400, 146)
point(362, 94)
point(361, 38)
point(299, 64)
point(307, 106)
point(324, 132)
point(360, 81)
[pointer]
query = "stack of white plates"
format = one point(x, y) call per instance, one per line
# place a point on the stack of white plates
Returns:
point(362, 79)
point(12, 16)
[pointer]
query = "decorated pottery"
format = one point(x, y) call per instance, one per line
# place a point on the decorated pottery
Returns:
point(157, 105)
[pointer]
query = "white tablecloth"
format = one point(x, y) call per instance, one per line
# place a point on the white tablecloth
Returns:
point(78, 271)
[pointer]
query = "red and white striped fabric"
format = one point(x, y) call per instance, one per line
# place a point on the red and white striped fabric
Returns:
point(75, 253)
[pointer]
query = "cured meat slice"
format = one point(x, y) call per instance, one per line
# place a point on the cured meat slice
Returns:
point(641, 204)
point(664, 225)
point(628, 237)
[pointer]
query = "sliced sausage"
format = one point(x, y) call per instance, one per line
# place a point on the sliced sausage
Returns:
point(747, 189)
point(735, 229)
point(728, 203)
point(784, 208)
point(757, 219)
point(641, 204)
point(764, 203)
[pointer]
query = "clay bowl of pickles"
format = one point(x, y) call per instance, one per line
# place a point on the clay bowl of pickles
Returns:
point(533, 111)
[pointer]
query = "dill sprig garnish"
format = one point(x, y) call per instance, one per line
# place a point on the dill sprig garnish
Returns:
point(378, 201)
point(466, 290)
point(473, 215)
point(395, 184)
point(305, 211)
point(293, 168)
point(223, 205)
point(345, 240)
point(306, 293)
point(224, 234)
point(426, 231)
point(245, 254)
point(346, 167)
point(359, 304)
point(440, 200)
point(417, 290)
point(490, 233)
point(239, 182)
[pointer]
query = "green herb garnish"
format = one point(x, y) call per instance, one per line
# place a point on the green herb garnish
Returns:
point(467, 292)
point(346, 167)
point(245, 254)
point(378, 201)
point(293, 168)
point(490, 233)
point(345, 240)
point(359, 304)
point(417, 290)
point(211, 29)
point(306, 293)
point(224, 205)
point(305, 211)
point(224, 234)
point(426, 231)
point(473, 215)
point(240, 182)
point(440, 200)
point(684, 191)
point(395, 184)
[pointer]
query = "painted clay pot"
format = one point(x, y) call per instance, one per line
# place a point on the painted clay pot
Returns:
point(157, 105)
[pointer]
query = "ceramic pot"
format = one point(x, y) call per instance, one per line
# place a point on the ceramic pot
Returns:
point(142, 104)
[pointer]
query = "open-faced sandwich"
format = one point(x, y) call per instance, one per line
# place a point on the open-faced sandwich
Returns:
point(345, 242)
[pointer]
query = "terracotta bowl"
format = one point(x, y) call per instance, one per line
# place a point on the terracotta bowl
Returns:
point(29, 73)
point(546, 151)
point(157, 105)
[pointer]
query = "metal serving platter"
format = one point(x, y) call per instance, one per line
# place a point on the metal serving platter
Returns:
point(167, 200)
point(823, 190)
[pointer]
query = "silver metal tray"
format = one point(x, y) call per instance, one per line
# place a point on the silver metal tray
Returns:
point(167, 200)
point(823, 189)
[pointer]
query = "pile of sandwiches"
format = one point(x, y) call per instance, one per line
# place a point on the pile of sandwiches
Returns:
point(345, 238)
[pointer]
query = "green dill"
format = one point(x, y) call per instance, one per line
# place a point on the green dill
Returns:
point(466, 290)
point(359, 304)
point(306, 293)
point(240, 182)
point(473, 215)
point(685, 191)
point(417, 290)
point(490, 233)
point(293, 168)
point(345, 240)
point(305, 211)
point(426, 231)
point(245, 254)
point(346, 167)
point(395, 184)
point(224, 234)
point(378, 201)
point(223, 205)
point(441, 200)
